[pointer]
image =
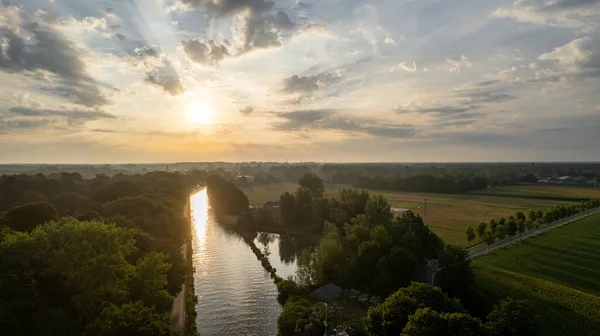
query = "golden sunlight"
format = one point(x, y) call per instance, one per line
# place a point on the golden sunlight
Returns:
point(199, 112)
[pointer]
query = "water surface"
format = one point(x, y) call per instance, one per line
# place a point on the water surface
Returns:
point(236, 296)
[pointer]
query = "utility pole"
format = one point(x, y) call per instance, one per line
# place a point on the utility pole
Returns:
point(425, 209)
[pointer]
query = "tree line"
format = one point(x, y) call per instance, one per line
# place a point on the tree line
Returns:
point(489, 232)
point(94, 256)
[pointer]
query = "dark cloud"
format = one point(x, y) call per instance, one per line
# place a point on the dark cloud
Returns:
point(33, 46)
point(121, 37)
point(174, 86)
point(259, 27)
point(329, 119)
point(20, 124)
point(102, 130)
point(109, 10)
point(72, 116)
point(209, 53)
point(301, 84)
point(247, 110)
point(437, 110)
point(483, 96)
point(149, 52)
point(487, 83)
point(308, 84)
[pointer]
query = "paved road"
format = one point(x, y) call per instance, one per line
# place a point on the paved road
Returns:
point(178, 309)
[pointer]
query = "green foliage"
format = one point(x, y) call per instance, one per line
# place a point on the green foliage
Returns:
point(471, 233)
point(512, 318)
point(130, 319)
point(391, 316)
point(225, 198)
point(27, 217)
point(312, 182)
point(428, 322)
point(300, 317)
point(456, 276)
point(286, 290)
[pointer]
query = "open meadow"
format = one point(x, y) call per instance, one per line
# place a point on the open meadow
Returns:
point(557, 271)
point(540, 191)
point(448, 215)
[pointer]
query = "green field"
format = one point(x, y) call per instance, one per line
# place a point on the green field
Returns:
point(568, 255)
point(557, 271)
point(540, 191)
point(448, 215)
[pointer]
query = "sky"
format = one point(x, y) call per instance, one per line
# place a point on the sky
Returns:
point(286, 80)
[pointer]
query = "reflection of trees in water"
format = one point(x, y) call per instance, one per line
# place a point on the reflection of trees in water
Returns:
point(290, 248)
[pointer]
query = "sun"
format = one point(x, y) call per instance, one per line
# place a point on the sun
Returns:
point(199, 113)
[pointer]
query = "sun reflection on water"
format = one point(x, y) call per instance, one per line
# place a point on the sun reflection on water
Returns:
point(199, 208)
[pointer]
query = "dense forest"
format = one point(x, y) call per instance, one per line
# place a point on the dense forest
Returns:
point(94, 256)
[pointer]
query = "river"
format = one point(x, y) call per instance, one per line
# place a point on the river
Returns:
point(236, 296)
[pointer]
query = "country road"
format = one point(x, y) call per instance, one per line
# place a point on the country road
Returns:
point(484, 249)
point(178, 309)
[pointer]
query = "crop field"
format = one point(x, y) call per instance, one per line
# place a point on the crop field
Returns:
point(540, 191)
point(568, 255)
point(448, 215)
point(561, 310)
point(557, 271)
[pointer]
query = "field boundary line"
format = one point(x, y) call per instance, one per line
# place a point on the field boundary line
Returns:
point(532, 233)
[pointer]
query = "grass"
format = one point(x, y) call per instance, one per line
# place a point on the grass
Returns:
point(541, 192)
point(561, 310)
point(448, 215)
point(568, 255)
point(557, 271)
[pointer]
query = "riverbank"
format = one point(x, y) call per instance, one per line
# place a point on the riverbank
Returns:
point(298, 232)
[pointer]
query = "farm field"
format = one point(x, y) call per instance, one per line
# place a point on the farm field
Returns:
point(568, 255)
point(540, 191)
point(448, 215)
point(557, 271)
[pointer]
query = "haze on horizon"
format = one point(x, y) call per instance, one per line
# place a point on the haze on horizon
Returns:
point(310, 80)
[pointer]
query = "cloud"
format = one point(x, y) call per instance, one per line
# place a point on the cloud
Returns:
point(69, 114)
point(32, 117)
point(406, 66)
point(247, 110)
point(308, 84)
point(260, 25)
point(580, 57)
point(580, 14)
point(31, 45)
point(333, 120)
point(483, 96)
point(121, 37)
point(209, 53)
point(487, 83)
point(456, 64)
point(174, 86)
point(389, 40)
point(302, 5)
point(21, 124)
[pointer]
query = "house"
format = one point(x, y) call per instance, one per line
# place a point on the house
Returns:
point(327, 292)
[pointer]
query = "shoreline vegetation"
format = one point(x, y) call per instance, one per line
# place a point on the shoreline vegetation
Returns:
point(303, 313)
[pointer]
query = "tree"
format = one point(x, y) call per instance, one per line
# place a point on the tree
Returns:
point(470, 234)
point(489, 237)
point(378, 211)
point(130, 319)
point(521, 227)
point(148, 282)
point(502, 221)
point(390, 317)
point(428, 322)
point(501, 232)
point(520, 216)
point(287, 207)
point(512, 318)
point(298, 317)
point(312, 182)
point(455, 276)
point(493, 225)
point(532, 215)
point(481, 228)
point(511, 227)
point(425, 322)
point(29, 216)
